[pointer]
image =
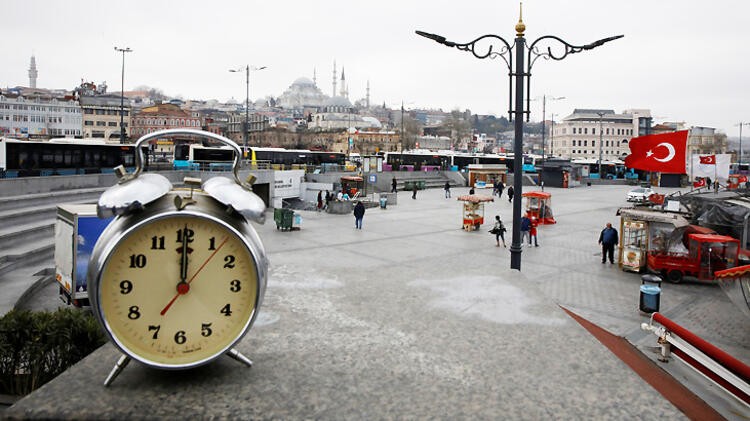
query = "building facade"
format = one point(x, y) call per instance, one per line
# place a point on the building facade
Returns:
point(101, 116)
point(39, 115)
point(162, 117)
point(595, 133)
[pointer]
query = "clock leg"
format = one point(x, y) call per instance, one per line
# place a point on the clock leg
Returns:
point(239, 357)
point(119, 366)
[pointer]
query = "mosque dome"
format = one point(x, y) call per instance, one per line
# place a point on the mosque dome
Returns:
point(303, 81)
point(302, 93)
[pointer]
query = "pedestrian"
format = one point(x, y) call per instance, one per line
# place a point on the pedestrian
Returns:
point(359, 214)
point(447, 189)
point(393, 185)
point(510, 193)
point(499, 231)
point(500, 188)
point(414, 191)
point(532, 231)
point(329, 197)
point(608, 239)
point(494, 188)
point(526, 228)
point(471, 190)
point(320, 200)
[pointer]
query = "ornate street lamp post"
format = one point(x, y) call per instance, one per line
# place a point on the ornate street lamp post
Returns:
point(521, 71)
point(600, 114)
point(246, 125)
point(122, 92)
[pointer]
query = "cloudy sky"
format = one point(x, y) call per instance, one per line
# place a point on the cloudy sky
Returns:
point(684, 60)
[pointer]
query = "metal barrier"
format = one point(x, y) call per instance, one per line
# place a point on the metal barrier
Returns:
point(726, 371)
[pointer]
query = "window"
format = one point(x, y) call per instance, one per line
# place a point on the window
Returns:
point(585, 130)
point(585, 143)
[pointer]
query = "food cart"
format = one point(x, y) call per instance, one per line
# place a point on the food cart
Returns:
point(705, 254)
point(539, 206)
point(638, 227)
point(352, 185)
point(473, 210)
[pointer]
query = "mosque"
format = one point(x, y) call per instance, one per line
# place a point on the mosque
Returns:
point(326, 113)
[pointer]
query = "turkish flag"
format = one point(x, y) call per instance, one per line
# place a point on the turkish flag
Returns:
point(664, 153)
point(708, 159)
point(742, 179)
point(699, 183)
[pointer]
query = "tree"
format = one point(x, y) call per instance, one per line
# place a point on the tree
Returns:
point(412, 130)
point(459, 127)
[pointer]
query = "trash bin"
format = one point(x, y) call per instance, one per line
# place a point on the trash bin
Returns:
point(283, 218)
point(650, 293)
point(383, 202)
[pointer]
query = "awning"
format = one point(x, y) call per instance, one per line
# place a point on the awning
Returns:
point(475, 198)
point(651, 216)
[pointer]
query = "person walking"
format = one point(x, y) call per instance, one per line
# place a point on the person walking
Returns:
point(500, 188)
point(532, 231)
point(526, 228)
point(414, 191)
point(329, 197)
point(608, 238)
point(499, 231)
point(510, 194)
point(320, 200)
point(394, 184)
point(359, 214)
point(447, 189)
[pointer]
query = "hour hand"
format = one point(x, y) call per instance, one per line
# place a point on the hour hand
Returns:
point(184, 256)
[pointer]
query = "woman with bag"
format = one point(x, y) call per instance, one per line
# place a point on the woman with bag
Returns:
point(499, 231)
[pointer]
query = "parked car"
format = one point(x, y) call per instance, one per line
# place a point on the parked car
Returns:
point(640, 194)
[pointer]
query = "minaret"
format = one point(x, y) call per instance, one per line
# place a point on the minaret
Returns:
point(33, 73)
point(334, 79)
point(315, 77)
point(367, 98)
point(343, 92)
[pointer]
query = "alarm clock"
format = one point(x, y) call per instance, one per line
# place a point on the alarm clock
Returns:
point(178, 277)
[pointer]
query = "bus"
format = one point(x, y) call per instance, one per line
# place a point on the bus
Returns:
point(25, 158)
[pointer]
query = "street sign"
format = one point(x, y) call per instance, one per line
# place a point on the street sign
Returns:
point(373, 178)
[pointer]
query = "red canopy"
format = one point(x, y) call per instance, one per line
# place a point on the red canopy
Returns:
point(540, 194)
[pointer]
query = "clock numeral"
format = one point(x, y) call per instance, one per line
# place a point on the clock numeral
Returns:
point(137, 260)
point(125, 287)
point(187, 232)
point(133, 313)
point(206, 330)
point(229, 261)
point(157, 243)
point(155, 329)
point(235, 285)
point(212, 243)
point(226, 310)
point(179, 337)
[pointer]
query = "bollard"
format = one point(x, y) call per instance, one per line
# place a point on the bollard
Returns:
point(650, 293)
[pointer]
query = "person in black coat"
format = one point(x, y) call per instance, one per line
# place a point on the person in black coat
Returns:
point(359, 214)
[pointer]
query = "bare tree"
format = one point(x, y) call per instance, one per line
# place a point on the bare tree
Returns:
point(459, 127)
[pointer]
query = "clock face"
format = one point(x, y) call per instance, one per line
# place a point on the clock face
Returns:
point(178, 290)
